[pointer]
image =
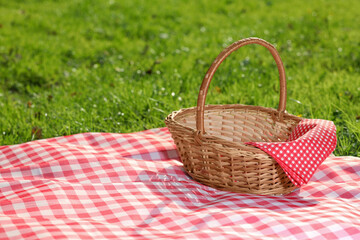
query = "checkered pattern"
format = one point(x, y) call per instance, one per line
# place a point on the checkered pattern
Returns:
point(132, 186)
point(309, 144)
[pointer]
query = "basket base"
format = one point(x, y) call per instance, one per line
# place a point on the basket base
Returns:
point(269, 189)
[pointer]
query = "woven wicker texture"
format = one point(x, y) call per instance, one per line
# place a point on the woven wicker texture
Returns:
point(210, 139)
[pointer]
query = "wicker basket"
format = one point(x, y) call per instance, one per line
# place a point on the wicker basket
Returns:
point(211, 139)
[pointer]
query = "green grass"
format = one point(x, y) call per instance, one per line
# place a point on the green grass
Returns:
point(121, 66)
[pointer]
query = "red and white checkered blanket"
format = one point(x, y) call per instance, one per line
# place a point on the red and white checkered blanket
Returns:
point(132, 186)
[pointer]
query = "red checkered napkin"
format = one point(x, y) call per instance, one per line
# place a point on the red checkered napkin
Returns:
point(309, 144)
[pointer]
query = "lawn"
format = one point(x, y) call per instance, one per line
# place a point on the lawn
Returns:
point(68, 67)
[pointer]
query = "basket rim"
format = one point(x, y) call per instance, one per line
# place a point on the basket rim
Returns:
point(172, 117)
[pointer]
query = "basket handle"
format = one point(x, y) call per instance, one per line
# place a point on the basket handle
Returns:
point(220, 58)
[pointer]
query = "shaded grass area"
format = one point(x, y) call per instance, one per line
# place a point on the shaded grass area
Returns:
point(120, 66)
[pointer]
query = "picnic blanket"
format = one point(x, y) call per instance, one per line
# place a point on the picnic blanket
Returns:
point(132, 186)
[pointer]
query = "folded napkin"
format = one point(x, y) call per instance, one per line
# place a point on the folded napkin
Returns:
point(309, 144)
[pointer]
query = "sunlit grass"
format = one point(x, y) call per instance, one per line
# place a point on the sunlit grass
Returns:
point(122, 66)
